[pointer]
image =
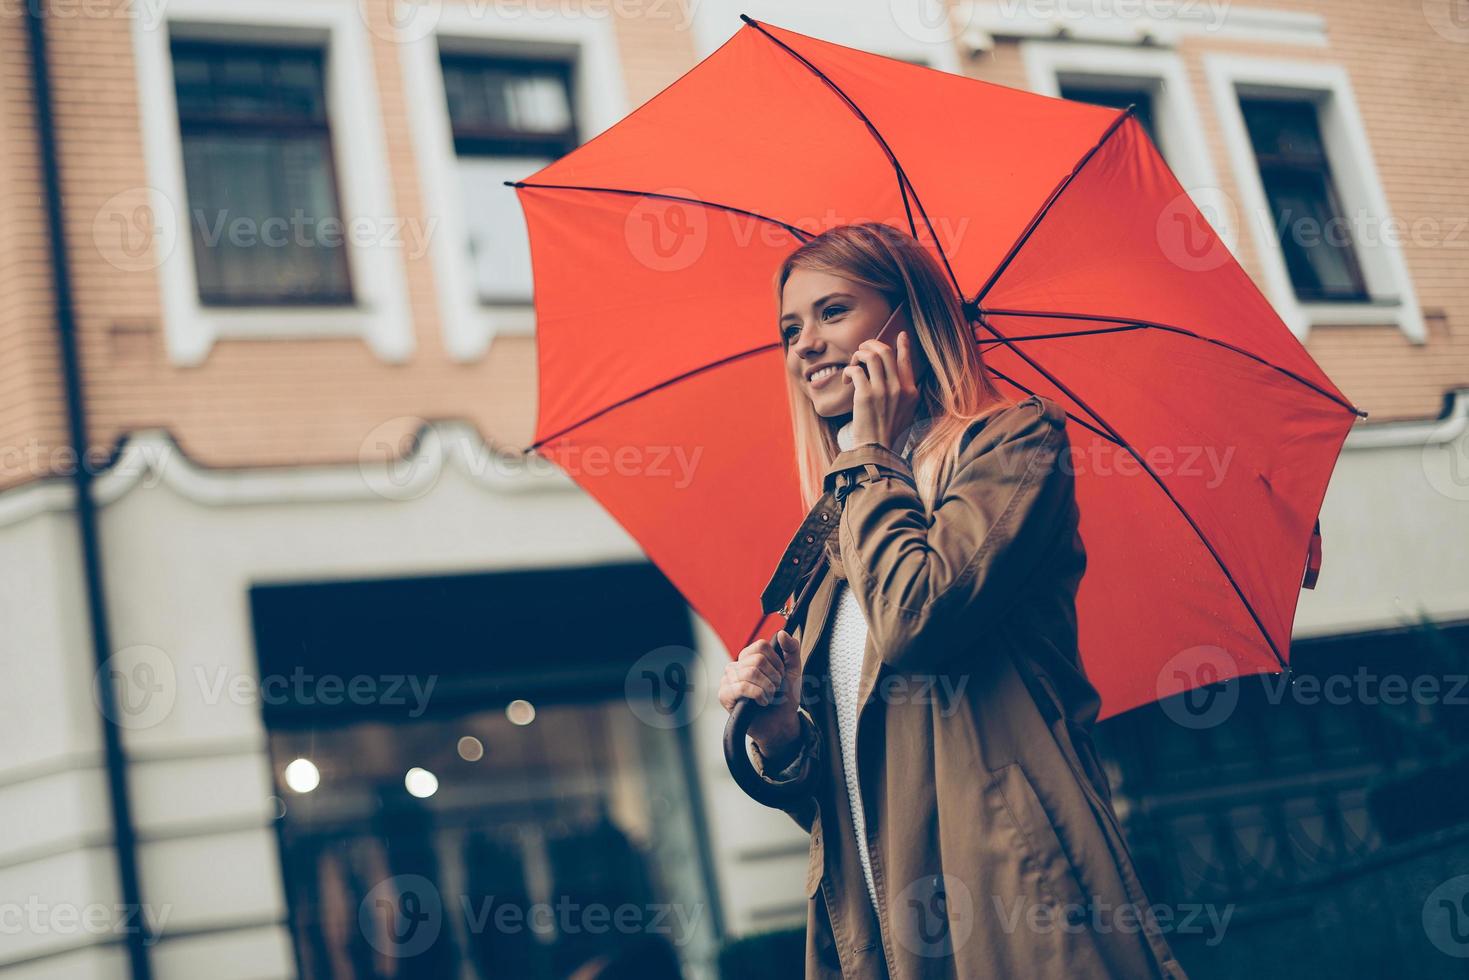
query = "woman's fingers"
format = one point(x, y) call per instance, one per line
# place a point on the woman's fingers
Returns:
point(877, 373)
point(792, 650)
point(889, 359)
point(757, 674)
point(736, 685)
point(906, 376)
point(764, 655)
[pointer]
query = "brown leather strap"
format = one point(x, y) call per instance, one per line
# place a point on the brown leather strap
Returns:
point(802, 556)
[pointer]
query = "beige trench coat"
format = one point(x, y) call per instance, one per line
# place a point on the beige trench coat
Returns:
point(993, 842)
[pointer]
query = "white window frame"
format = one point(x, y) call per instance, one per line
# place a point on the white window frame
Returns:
point(1180, 134)
point(380, 312)
point(468, 325)
point(1358, 187)
point(1168, 24)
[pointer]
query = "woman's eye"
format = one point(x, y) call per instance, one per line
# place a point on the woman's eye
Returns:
point(832, 307)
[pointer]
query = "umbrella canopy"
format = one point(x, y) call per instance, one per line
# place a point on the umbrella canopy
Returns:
point(1203, 433)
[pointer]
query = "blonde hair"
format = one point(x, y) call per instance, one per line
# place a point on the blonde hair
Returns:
point(957, 388)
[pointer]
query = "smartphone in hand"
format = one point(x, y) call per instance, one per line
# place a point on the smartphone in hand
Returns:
point(889, 335)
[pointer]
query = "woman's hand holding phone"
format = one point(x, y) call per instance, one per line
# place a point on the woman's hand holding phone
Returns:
point(885, 389)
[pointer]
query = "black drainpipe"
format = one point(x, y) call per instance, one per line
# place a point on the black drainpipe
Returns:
point(134, 923)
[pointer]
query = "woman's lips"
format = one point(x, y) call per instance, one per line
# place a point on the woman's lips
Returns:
point(825, 376)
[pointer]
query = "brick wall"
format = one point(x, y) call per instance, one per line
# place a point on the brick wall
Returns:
point(277, 402)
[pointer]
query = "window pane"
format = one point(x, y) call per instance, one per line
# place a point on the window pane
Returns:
point(537, 104)
point(1116, 98)
point(510, 118)
point(1284, 131)
point(499, 245)
point(1319, 255)
point(1315, 238)
point(219, 83)
point(264, 221)
point(506, 97)
point(263, 209)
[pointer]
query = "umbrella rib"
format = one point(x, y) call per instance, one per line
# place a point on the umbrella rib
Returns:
point(1072, 416)
point(1117, 438)
point(1131, 323)
point(905, 186)
point(1050, 202)
point(650, 390)
point(800, 235)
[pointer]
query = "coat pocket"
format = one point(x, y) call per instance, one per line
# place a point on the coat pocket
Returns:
point(1012, 799)
point(816, 861)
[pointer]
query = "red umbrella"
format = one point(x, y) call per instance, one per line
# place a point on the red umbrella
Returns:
point(1203, 433)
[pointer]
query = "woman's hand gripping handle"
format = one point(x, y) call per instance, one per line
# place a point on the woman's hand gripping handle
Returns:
point(761, 689)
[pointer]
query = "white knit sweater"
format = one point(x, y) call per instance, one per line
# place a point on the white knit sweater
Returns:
point(848, 643)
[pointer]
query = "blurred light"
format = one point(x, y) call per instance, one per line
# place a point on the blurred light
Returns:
point(520, 712)
point(471, 749)
point(421, 783)
point(302, 776)
point(277, 807)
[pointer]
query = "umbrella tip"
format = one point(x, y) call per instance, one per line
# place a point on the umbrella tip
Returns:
point(747, 19)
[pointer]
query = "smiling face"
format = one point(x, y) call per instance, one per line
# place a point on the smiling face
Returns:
point(824, 318)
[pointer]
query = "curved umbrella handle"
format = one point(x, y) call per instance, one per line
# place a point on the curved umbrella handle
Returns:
point(743, 770)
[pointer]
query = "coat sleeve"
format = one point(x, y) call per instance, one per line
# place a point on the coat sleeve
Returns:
point(925, 585)
point(802, 767)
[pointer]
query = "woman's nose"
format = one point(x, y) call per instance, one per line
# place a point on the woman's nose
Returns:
point(805, 341)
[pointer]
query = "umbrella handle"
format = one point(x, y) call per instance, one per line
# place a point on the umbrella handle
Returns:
point(778, 796)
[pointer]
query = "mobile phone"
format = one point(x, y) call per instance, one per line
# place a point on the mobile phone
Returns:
point(889, 332)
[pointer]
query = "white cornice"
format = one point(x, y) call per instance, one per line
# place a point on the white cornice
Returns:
point(151, 457)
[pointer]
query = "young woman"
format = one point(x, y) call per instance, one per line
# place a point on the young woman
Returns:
point(931, 710)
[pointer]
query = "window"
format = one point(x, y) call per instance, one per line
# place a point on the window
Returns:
point(528, 90)
point(1156, 83)
point(463, 793)
point(1301, 157)
point(510, 117)
point(1315, 239)
point(263, 213)
point(1117, 98)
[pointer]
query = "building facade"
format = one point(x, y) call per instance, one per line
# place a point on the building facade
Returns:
point(298, 298)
